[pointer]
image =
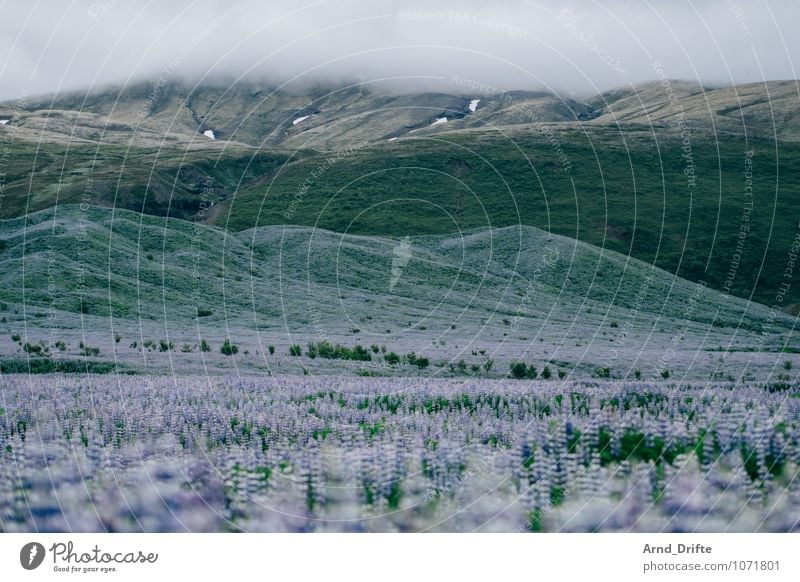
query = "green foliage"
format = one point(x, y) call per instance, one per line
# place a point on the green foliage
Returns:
point(271, 350)
point(202, 312)
point(51, 366)
point(295, 350)
point(546, 373)
point(519, 370)
point(229, 348)
point(311, 350)
point(88, 350)
point(204, 346)
point(602, 372)
point(391, 358)
point(34, 349)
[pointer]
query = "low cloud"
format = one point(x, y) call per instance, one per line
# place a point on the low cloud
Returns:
point(570, 47)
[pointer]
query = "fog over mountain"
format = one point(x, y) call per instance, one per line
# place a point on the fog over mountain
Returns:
point(568, 47)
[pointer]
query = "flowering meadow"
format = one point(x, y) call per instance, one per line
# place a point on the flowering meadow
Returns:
point(306, 454)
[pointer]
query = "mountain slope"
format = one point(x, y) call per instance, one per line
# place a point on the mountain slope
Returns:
point(90, 275)
point(614, 171)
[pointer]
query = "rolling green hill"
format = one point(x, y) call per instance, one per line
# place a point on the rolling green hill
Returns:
point(129, 284)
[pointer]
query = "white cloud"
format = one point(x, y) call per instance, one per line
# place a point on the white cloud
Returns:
point(575, 46)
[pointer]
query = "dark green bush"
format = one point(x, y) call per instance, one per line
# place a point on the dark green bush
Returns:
point(228, 348)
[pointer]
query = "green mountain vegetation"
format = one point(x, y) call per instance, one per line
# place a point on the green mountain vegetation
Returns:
point(667, 181)
point(144, 291)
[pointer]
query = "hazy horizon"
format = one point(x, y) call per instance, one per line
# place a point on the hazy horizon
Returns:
point(571, 49)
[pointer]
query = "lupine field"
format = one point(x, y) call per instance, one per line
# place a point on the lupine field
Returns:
point(105, 453)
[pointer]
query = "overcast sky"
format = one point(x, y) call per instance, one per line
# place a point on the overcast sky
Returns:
point(569, 47)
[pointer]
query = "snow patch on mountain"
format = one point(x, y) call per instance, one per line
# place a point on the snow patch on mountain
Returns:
point(299, 119)
point(473, 105)
point(209, 134)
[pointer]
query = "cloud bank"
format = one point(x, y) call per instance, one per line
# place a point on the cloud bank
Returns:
point(570, 47)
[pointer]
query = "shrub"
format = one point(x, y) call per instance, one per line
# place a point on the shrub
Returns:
point(117, 337)
point(519, 370)
point(204, 347)
point(61, 346)
point(561, 374)
point(271, 350)
point(421, 363)
point(487, 365)
point(295, 350)
point(546, 373)
point(35, 349)
point(202, 312)
point(787, 365)
point(15, 337)
point(88, 350)
point(614, 324)
point(165, 346)
point(186, 348)
point(44, 366)
point(638, 374)
point(326, 349)
point(228, 348)
point(665, 374)
point(311, 350)
point(532, 373)
point(375, 349)
point(391, 358)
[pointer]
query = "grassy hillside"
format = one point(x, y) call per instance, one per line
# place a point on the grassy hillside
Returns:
point(157, 181)
point(129, 284)
point(627, 191)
